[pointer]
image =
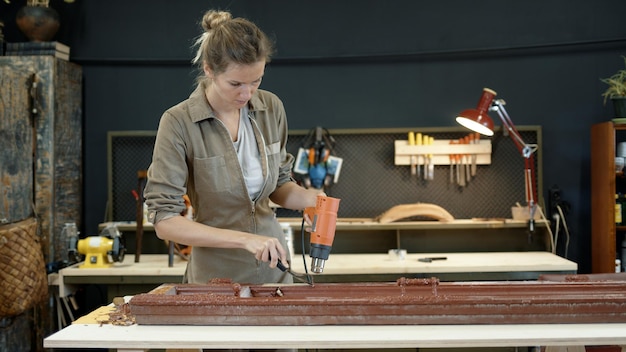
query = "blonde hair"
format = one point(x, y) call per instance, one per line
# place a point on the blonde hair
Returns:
point(230, 40)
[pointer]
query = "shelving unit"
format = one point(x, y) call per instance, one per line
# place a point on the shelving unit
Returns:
point(604, 232)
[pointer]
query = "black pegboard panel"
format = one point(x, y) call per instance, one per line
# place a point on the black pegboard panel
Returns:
point(128, 152)
point(369, 182)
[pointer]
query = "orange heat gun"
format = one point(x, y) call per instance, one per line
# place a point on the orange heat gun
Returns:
point(324, 223)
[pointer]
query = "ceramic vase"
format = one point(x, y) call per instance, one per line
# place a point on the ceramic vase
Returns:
point(619, 106)
point(38, 23)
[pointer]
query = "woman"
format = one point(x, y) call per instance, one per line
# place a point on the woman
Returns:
point(225, 147)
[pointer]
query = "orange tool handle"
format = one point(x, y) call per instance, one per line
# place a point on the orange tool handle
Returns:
point(324, 218)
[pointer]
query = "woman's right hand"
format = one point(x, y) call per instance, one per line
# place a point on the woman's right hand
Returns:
point(267, 249)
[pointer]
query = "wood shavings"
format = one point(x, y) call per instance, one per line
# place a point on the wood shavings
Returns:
point(119, 316)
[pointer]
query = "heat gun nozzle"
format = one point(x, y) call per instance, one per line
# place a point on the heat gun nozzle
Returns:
point(317, 265)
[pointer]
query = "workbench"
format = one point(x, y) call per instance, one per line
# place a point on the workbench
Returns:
point(129, 278)
point(154, 269)
point(141, 337)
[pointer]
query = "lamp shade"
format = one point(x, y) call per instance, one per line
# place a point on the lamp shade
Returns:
point(477, 119)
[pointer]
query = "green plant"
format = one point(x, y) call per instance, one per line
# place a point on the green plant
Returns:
point(616, 83)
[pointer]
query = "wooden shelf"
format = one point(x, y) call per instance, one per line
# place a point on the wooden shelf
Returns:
point(367, 224)
point(603, 190)
point(364, 235)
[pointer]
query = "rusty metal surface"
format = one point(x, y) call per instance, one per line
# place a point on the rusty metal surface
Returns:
point(408, 301)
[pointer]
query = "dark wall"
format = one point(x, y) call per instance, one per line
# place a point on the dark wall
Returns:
point(363, 64)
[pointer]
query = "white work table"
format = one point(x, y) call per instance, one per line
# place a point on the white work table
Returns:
point(346, 264)
point(141, 337)
point(153, 269)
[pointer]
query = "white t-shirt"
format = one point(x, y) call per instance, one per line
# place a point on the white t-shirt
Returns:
point(248, 155)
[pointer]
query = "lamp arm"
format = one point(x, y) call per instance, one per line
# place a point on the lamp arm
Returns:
point(498, 107)
point(527, 151)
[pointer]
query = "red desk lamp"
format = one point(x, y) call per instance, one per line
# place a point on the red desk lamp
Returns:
point(479, 121)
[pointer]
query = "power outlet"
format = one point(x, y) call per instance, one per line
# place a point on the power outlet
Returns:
point(555, 201)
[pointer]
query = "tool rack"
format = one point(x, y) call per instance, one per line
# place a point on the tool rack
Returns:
point(441, 150)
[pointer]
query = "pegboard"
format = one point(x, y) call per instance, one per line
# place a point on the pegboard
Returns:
point(369, 182)
point(127, 153)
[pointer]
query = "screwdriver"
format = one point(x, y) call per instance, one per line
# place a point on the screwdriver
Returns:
point(451, 156)
point(413, 157)
point(475, 139)
point(468, 173)
point(424, 141)
point(418, 141)
point(308, 279)
point(431, 163)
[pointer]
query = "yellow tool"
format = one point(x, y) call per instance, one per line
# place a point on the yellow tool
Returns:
point(102, 251)
point(431, 163)
point(429, 166)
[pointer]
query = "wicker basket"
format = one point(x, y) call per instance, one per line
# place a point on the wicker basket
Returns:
point(23, 279)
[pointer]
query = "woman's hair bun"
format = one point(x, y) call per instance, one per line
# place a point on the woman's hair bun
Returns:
point(214, 18)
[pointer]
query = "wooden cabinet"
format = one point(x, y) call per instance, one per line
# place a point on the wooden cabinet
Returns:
point(40, 161)
point(41, 144)
point(604, 185)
